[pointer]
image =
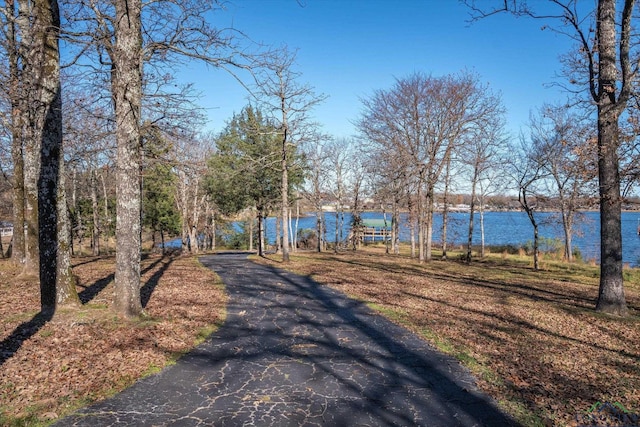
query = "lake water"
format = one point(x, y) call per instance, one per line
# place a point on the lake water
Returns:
point(503, 228)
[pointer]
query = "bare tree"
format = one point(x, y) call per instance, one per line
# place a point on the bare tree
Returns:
point(338, 157)
point(31, 40)
point(565, 146)
point(527, 173)
point(121, 38)
point(90, 149)
point(479, 152)
point(290, 103)
point(317, 183)
point(126, 83)
point(448, 182)
point(605, 67)
point(12, 44)
point(357, 185)
point(418, 121)
point(191, 198)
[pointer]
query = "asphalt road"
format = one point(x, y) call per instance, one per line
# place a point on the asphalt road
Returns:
point(296, 353)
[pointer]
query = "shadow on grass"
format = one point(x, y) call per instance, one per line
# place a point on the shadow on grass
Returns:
point(567, 298)
point(91, 291)
point(10, 345)
point(150, 285)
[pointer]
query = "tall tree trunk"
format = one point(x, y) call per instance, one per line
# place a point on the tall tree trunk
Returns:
point(66, 293)
point(260, 234)
point(471, 213)
point(611, 297)
point(95, 243)
point(74, 207)
point(292, 238)
point(278, 234)
point(319, 231)
point(395, 226)
point(412, 225)
point(194, 246)
point(384, 231)
point(127, 93)
point(445, 206)
point(48, 132)
point(568, 237)
point(18, 240)
point(17, 145)
point(421, 224)
point(285, 202)
point(213, 233)
point(184, 211)
point(30, 128)
point(107, 219)
point(285, 177)
point(429, 225)
point(32, 150)
point(295, 229)
point(337, 239)
point(567, 228)
point(481, 211)
point(195, 217)
point(534, 224)
point(56, 281)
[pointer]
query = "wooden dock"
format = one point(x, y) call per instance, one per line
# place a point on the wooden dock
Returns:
point(372, 230)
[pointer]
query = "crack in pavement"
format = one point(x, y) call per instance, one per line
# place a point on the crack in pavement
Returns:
point(293, 352)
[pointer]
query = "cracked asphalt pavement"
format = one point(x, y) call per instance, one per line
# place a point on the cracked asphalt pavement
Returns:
point(293, 352)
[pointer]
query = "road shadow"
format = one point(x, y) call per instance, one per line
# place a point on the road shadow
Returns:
point(417, 365)
point(293, 352)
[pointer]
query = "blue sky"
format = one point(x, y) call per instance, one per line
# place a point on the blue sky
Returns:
point(349, 48)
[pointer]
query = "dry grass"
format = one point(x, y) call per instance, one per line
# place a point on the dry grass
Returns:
point(532, 337)
point(49, 368)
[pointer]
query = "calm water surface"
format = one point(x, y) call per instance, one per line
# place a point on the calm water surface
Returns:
point(504, 228)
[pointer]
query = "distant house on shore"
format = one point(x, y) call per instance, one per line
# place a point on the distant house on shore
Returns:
point(6, 229)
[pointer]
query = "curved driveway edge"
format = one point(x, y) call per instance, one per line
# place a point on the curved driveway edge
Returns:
point(293, 352)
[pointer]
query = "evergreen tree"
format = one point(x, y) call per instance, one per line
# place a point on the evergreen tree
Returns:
point(159, 210)
point(245, 171)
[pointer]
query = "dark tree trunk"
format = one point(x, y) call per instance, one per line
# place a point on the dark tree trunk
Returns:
point(319, 228)
point(536, 252)
point(56, 281)
point(285, 201)
point(260, 234)
point(95, 241)
point(445, 207)
point(611, 298)
point(471, 213)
